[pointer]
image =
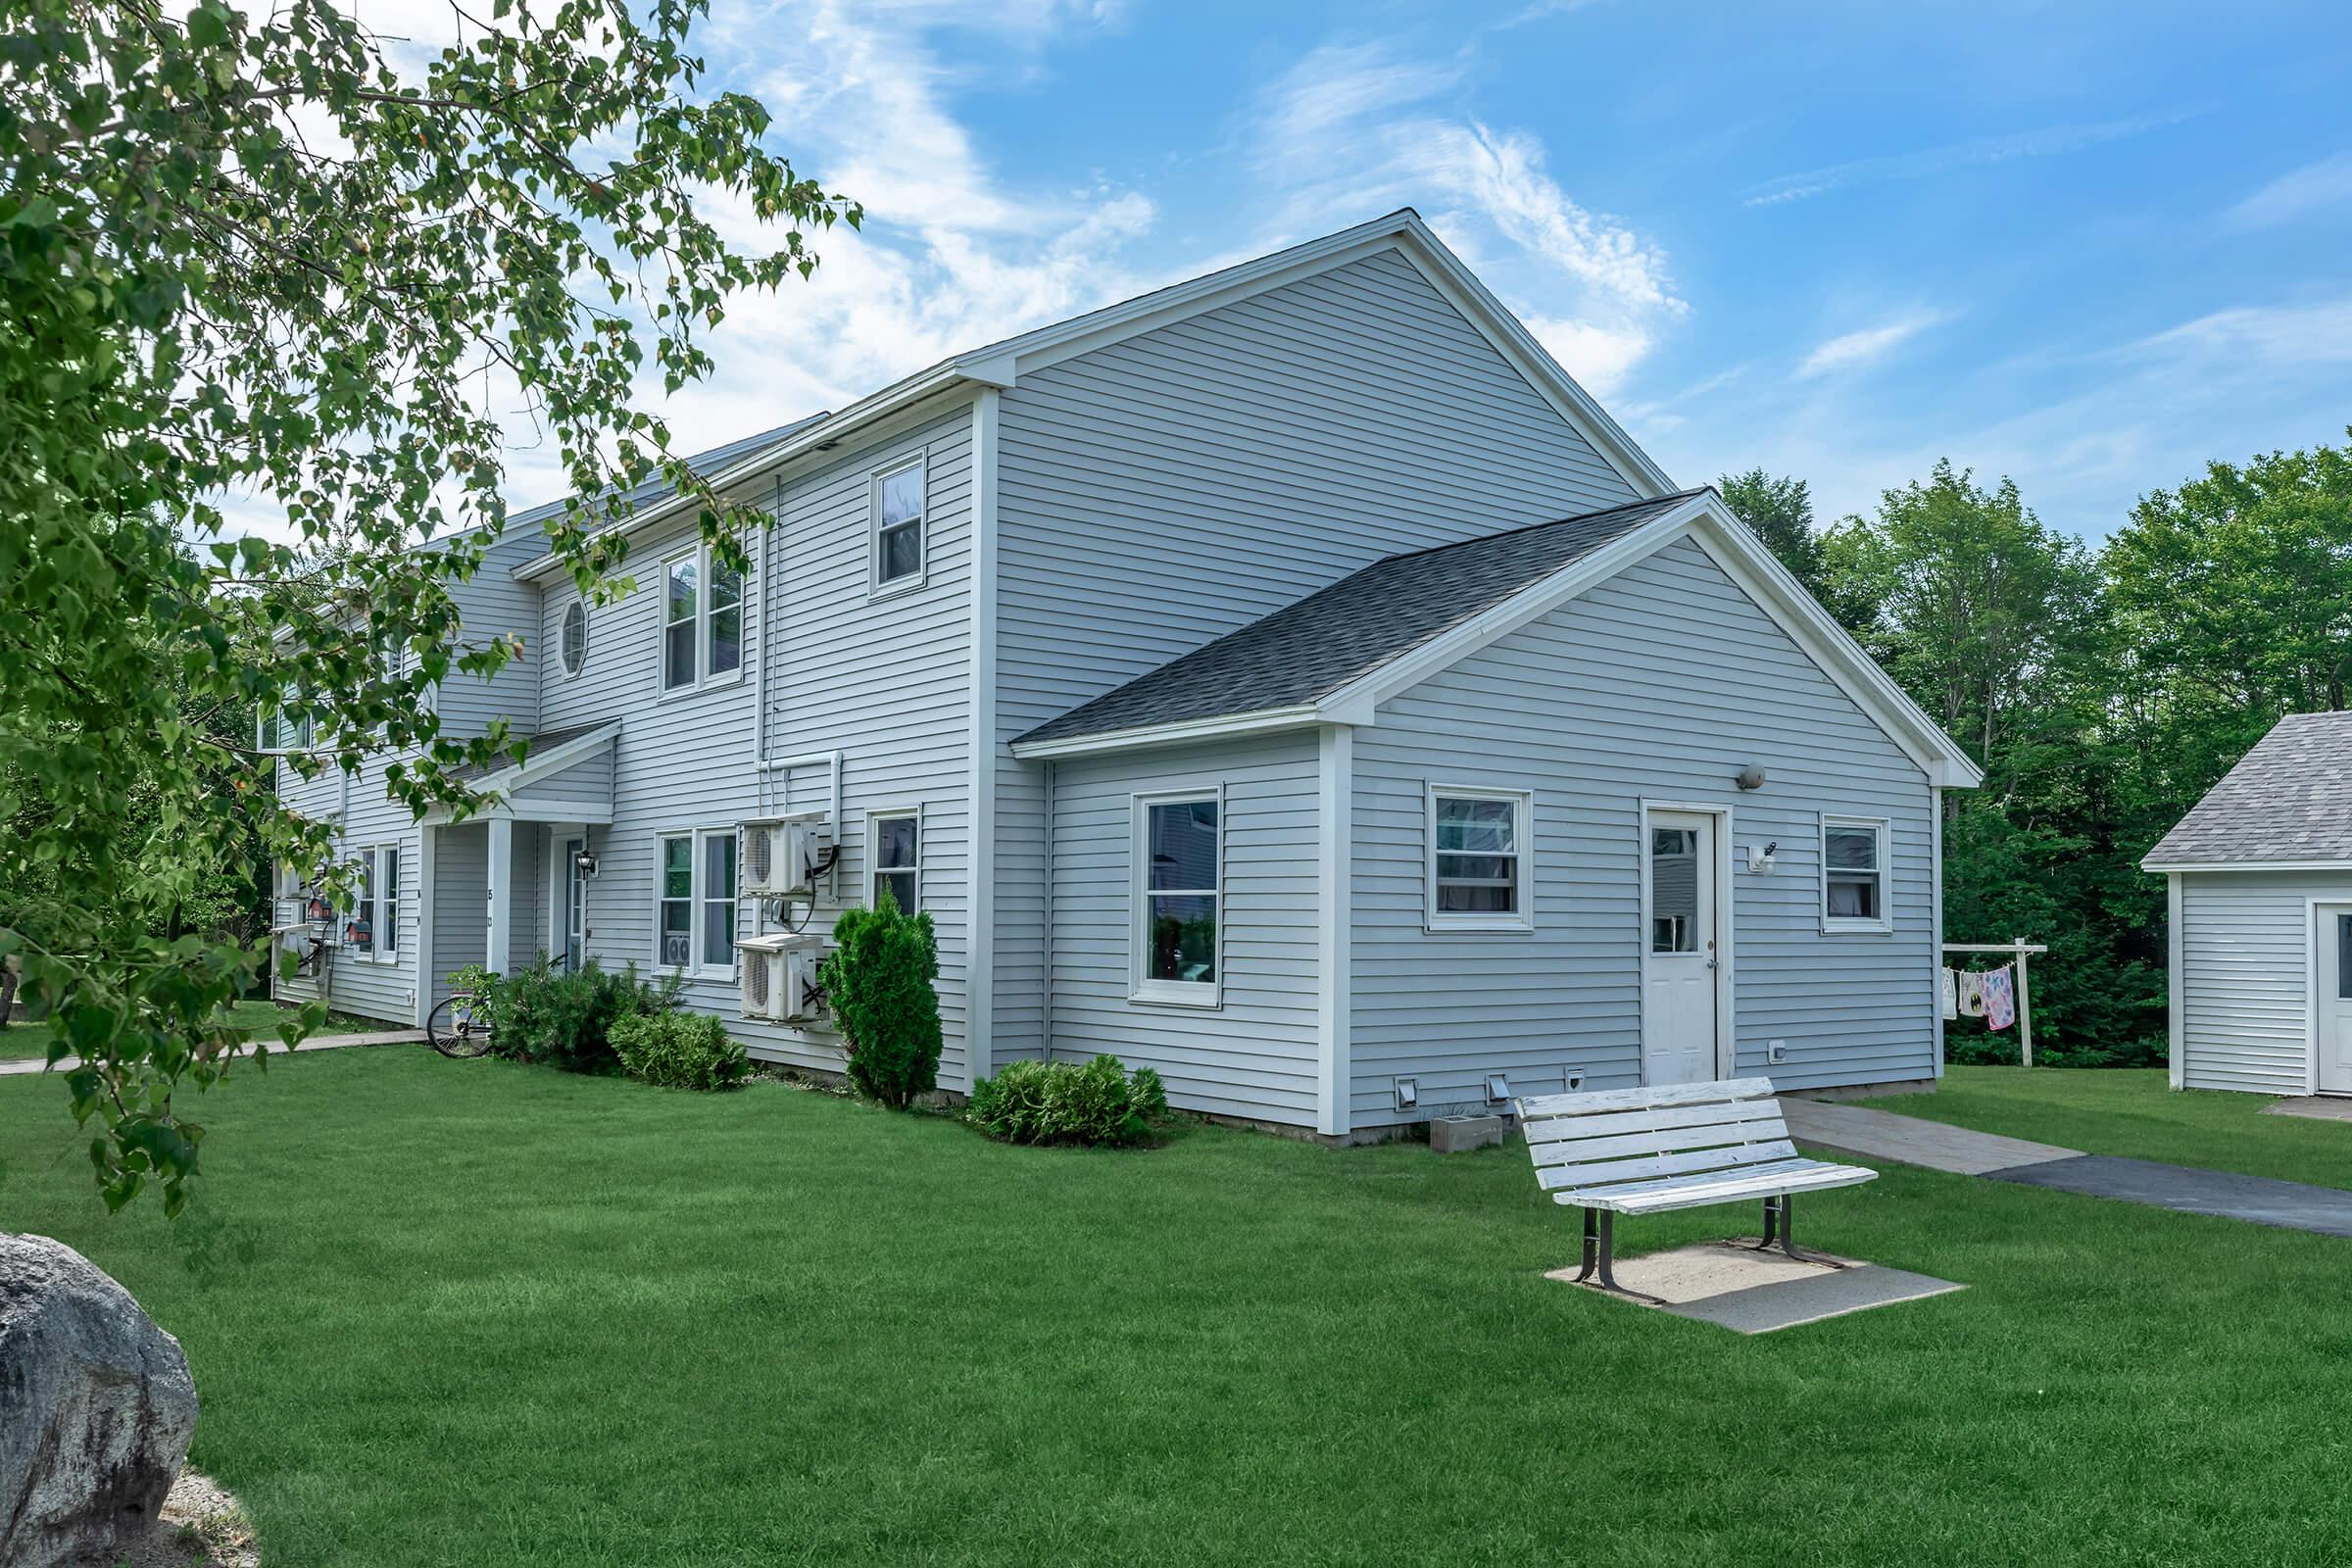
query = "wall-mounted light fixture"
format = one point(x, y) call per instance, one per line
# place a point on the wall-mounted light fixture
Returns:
point(1760, 856)
point(1750, 778)
point(583, 862)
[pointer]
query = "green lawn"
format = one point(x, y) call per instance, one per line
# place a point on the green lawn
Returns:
point(474, 1314)
point(21, 1039)
point(2138, 1115)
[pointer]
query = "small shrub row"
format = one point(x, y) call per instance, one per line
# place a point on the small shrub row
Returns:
point(679, 1051)
point(566, 1018)
point(1099, 1104)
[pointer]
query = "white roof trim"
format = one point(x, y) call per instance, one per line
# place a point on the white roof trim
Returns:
point(1705, 520)
point(2176, 866)
point(1001, 364)
point(501, 787)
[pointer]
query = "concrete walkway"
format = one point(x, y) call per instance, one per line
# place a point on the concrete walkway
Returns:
point(2313, 1107)
point(378, 1037)
point(1884, 1135)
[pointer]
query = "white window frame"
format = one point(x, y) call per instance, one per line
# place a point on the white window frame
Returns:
point(877, 586)
point(580, 608)
point(379, 905)
point(1523, 891)
point(873, 851)
point(1143, 988)
point(703, 680)
point(697, 896)
point(1846, 924)
point(267, 734)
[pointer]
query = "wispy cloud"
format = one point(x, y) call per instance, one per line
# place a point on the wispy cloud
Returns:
point(1850, 351)
point(1353, 128)
point(2313, 188)
point(2253, 338)
point(2043, 143)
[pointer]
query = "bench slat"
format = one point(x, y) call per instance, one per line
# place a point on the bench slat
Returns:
point(1769, 1182)
point(1608, 1099)
point(1609, 1172)
point(1670, 1141)
point(1560, 1129)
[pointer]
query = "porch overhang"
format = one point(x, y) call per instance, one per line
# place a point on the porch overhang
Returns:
point(566, 776)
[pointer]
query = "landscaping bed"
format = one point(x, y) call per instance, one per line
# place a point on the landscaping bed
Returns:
point(486, 1313)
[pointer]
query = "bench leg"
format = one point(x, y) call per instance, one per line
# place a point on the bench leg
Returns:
point(1601, 1251)
point(1780, 1214)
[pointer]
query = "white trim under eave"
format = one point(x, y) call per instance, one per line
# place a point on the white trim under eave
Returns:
point(1303, 716)
point(2177, 867)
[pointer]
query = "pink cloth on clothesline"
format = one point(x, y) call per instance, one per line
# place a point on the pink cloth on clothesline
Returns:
point(2000, 996)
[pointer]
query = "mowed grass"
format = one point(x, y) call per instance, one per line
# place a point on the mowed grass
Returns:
point(2136, 1114)
point(23, 1039)
point(471, 1313)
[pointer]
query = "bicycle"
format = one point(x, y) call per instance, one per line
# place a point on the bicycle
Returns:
point(460, 1027)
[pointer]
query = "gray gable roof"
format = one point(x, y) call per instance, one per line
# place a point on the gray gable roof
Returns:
point(2288, 802)
point(539, 745)
point(705, 464)
point(1311, 649)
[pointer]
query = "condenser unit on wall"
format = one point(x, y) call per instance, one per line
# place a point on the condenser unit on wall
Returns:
point(776, 976)
point(781, 854)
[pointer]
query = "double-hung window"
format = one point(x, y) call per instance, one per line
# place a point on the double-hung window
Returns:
point(1853, 874)
point(1178, 897)
point(701, 621)
point(372, 928)
point(895, 846)
point(1478, 859)
point(694, 914)
point(898, 508)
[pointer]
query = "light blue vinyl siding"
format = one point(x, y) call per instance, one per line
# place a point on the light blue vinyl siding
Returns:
point(1253, 1054)
point(886, 680)
point(1159, 492)
point(2245, 961)
point(494, 605)
point(1662, 682)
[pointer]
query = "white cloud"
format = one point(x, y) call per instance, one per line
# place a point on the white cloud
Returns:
point(2041, 143)
point(2299, 193)
point(1350, 131)
point(1850, 351)
point(2259, 337)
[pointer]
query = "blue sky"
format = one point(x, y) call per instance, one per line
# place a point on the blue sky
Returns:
point(2088, 246)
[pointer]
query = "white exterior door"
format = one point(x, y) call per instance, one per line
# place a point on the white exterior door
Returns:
point(576, 904)
point(1678, 969)
point(2333, 941)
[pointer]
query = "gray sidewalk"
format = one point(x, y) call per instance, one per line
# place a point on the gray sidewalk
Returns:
point(1884, 1135)
point(378, 1037)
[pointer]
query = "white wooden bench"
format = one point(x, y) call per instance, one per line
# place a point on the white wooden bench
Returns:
point(1684, 1145)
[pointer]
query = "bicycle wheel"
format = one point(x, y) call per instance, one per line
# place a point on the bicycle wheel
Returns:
point(459, 1027)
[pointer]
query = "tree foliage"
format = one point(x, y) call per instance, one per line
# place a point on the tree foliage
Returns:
point(277, 256)
point(878, 983)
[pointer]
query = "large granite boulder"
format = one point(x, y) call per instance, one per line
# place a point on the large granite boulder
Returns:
point(96, 1409)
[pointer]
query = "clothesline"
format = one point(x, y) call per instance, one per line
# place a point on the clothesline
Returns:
point(2019, 949)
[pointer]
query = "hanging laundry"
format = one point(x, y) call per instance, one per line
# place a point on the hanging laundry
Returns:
point(1950, 994)
point(1972, 994)
point(2000, 996)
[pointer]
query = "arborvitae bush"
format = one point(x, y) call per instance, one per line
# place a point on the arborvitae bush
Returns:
point(1097, 1104)
point(878, 983)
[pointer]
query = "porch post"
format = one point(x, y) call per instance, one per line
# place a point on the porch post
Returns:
point(501, 880)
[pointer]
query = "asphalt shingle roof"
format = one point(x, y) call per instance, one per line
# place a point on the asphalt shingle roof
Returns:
point(704, 463)
point(546, 741)
point(1311, 649)
point(2289, 799)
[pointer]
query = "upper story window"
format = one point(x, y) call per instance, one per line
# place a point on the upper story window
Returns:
point(898, 503)
point(1178, 897)
point(895, 846)
point(278, 733)
point(694, 916)
point(574, 641)
point(701, 621)
point(1853, 874)
point(1478, 859)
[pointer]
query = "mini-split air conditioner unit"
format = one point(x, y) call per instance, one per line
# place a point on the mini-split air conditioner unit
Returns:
point(776, 976)
point(781, 854)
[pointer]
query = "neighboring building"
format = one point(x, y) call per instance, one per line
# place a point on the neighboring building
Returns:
point(2259, 884)
point(1290, 679)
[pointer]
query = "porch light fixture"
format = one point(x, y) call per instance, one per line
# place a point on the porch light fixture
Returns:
point(583, 862)
point(1408, 1094)
point(1498, 1088)
point(1750, 778)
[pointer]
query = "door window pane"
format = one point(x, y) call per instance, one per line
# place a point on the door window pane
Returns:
point(1673, 890)
point(2344, 955)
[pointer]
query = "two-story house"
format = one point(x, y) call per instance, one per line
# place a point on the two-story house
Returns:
point(1290, 679)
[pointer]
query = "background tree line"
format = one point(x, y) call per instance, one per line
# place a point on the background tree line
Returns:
point(2102, 691)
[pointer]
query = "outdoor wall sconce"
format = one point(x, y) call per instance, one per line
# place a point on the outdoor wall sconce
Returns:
point(1750, 778)
point(584, 862)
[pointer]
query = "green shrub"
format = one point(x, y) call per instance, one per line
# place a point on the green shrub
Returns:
point(679, 1051)
point(877, 980)
point(1098, 1104)
point(565, 1018)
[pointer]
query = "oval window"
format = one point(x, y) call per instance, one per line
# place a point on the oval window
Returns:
point(576, 638)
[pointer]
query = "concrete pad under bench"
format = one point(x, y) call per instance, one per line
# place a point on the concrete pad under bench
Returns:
point(1733, 1285)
